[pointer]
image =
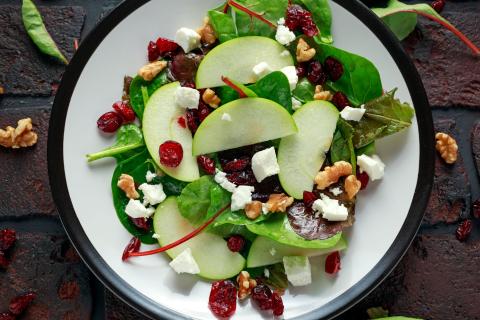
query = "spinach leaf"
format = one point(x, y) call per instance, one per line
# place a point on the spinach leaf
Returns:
point(278, 228)
point(223, 25)
point(171, 186)
point(369, 149)
point(383, 116)
point(137, 94)
point(270, 10)
point(275, 87)
point(304, 91)
point(227, 230)
point(277, 278)
point(33, 22)
point(342, 145)
point(194, 201)
point(322, 16)
point(129, 138)
point(226, 94)
point(136, 166)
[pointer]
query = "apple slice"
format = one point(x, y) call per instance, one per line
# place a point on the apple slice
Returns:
point(160, 123)
point(265, 251)
point(241, 123)
point(210, 251)
point(300, 156)
point(236, 58)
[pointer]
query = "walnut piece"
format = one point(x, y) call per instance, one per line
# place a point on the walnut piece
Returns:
point(330, 175)
point(304, 52)
point(210, 98)
point(20, 137)
point(278, 202)
point(352, 186)
point(253, 210)
point(151, 70)
point(321, 94)
point(2, 91)
point(126, 183)
point(206, 32)
point(447, 147)
point(245, 285)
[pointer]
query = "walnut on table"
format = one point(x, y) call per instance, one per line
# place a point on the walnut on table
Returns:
point(447, 147)
point(330, 175)
point(127, 184)
point(20, 137)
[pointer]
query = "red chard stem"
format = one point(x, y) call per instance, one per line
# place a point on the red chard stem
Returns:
point(232, 85)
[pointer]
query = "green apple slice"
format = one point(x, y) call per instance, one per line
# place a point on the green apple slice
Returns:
point(210, 251)
point(160, 123)
point(236, 58)
point(250, 121)
point(300, 156)
point(265, 251)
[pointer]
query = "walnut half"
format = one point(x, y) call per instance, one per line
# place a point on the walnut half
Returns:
point(304, 52)
point(330, 175)
point(245, 285)
point(321, 94)
point(210, 98)
point(253, 210)
point(126, 183)
point(278, 202)
point(352, 186)
point(20, 137)
point(447, 147)
point(151, 70)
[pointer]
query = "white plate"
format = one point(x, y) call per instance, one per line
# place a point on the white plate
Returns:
point(388, 213)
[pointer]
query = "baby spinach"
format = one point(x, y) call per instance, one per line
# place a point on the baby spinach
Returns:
point(129, 139)
point(223, 25)
point(322, 16)
point(195, 198)
point(275, 87)
point(227, 94)
point(342, 145)
point(171, 186)
point(304, 91)
point(33, 22)
point(268, 9)
point(368, 150)
point(139, 88)
point(277, 278)
point(383, 116)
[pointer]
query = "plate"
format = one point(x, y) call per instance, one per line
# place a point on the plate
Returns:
point(388, 213)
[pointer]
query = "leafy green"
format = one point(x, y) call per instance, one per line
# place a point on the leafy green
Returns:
point(277, 277)
point(226, 94)
point(369, 149)
point(278, 228)
point(227, 230)
point(129, 138)
point(322, 16)
point(137, 94)
point(33, 22)
point(304, 91)
point(342, 145)
point(194, 201)
point(223, 25)
point(383, 116)
point(171, 186)
point(275, 87)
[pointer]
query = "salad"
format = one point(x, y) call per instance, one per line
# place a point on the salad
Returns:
point(242, 146)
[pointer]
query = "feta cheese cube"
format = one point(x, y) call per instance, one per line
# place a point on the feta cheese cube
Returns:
point(187, 98)
point(331, 209)
point(152, 193)
point(188, 39)
point(185, 263)
point(373, 166)
point(136, 209)
point(292, 76)
point(296, 104)
point(336, 191)
point(241, 196)
point(226, 117)
point(261, 70)
point(150, 176)
point(264, 164)
point(284, 35)
point(352, 114)
point(221, 179)
point(284, 53)
point(281, 21)
point(298, 270)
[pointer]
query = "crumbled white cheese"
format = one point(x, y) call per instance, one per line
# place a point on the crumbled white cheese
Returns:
point(266, 273)
point(226, 117)
point(296, 104)
point(188, 39)
point(281, 21)
point(272, 251)
point(331, 209)
point(187, 98)
point(284, 35)
point(298, 270)
point(352, 114)
point(261, 69)
point(155, 236)
point(336, 191)
point(264, 164)
point(221, 179)
point(136, 209)
point(292, 76)
point(152, 193)
point(241, 196)
point(265, 209)
point(185, 263)
point(373, 166)
point(284, 53)
point(150, 176)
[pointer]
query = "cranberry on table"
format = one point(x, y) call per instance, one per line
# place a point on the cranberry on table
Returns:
point(316, 74)
point(18, 304)
point(223, 298)
point(7, 239)
point(277, 304)
point(332, 263)
point(363, 178)
point(132, 246)
point(207, 164)
point(236, 243)
point(340, 100)
point(463, 230)
point(334, 68)
point(109, 122)
point(153, 53)
point(262, 296)
point(171, 153)
point(124, 110)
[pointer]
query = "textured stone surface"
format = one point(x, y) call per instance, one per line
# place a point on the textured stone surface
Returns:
point(24, 173)
point(48, 265)
point(476, 145)
point(449, 70)
point(24, 70)
point(115, 309)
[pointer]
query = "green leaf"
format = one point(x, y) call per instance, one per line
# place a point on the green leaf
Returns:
point(226, 94)
point(369, 150)
point(275, 87)
point(277, 277)
point(33, 22)
point(138, 96)
point(383, 116)
point(227, 230)
point(304, 91)
point(342, 145)
point(278, 228)
point(194, 201)
point(129, 137)
point(223, 25)
point(322, 16)
point(171, 186)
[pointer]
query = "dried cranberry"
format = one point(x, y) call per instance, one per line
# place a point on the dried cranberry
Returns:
point(262, 295)
point(132, 246)
point(309, 198)
point(277, 304)
point(21, 302)
point(236, 243)
point(6, 316)
point(123, 109)
point(192, 120)
point(316, 74)
point(166, 46)
point(334, 68)
point(7, 239)
point(153, 53)
point(141, 223)
point(309, 28)
point(438, 5)
point(332, 263)
point(302, 69)
point(181, 122)
point(223, 298)
point(463, 230)
point(203, 111)
point(184, 67)
point(340, 100)
point(297, 17)
point(260, 196)
point(242, 178)
point(189, 84)
point(476, 209)
point(236, 165)
point(4, 261)
point(363, 178)
point(207, 164)
point(171, 153)
point(109, 122)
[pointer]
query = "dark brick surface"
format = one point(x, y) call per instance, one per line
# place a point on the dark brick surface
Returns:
point(24, 70)
point(24, 176)
point(115, 309)
point(476, 145)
